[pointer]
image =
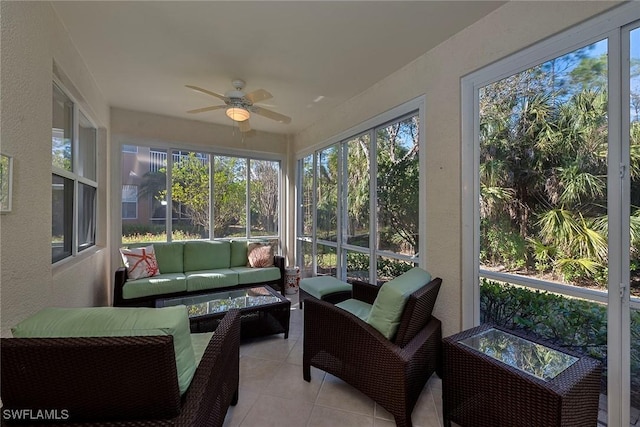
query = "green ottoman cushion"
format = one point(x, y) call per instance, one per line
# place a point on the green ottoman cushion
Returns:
point(320, 286)
point(117, 321)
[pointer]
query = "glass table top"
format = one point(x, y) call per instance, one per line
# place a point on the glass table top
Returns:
point(220, 302)
point(530, 357)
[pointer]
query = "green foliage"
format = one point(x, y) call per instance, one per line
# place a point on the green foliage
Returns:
point(190, 188)
point(501, 245)
point(397, 185)
point(133, 237)
point(391, 268)
point(572, 323)
point(543, 169)
point(264, 186)
point(190, 193)
point(357, 261)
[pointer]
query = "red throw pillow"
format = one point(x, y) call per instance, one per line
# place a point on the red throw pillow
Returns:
point(140, 262)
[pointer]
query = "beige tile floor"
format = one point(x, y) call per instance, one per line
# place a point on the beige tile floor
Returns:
point(273, 393)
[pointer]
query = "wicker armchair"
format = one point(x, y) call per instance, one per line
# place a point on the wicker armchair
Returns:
point(391, 372)
point(118, 381)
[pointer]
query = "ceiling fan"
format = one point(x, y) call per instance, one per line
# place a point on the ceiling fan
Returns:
point(239, 105)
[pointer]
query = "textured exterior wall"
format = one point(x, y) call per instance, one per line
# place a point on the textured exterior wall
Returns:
point(437, 75)
point(31, 40)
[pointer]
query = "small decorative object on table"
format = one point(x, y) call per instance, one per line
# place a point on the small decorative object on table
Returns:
point(292, 280)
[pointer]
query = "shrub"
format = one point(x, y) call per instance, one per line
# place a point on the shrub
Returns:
point(502, 245)
point(569, 322)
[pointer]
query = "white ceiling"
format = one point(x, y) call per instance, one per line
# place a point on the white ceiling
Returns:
point(311, 55)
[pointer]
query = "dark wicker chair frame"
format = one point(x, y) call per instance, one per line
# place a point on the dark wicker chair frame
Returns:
point(119, 381)
point(120, 278)
point(392, 373)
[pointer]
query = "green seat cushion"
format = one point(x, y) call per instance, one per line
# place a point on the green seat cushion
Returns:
point(356, 307)
point(199, 342)
point(117, 321)
point(156, 285)
point(389, 304)
point(206, 255)
point(256, 275)
point(320, 286)
point(211, 279)
point(170, 257)
point(238, 253)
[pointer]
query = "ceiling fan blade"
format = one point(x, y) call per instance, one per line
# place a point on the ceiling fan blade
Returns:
point(244, 126)
point(208, 92)
point(202, 110)
point(271, 114)
point(258, 95)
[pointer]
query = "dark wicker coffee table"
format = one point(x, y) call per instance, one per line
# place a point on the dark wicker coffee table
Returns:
point(497, 377)
point(263, 310)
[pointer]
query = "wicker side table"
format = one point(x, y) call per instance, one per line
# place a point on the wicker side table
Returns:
point(534, 384)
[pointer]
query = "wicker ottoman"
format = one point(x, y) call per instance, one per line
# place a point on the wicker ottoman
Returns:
point(326, 288)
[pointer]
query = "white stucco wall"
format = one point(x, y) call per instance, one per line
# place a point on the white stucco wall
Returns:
point(128, 125)
point(31, 39)
point(437, 75)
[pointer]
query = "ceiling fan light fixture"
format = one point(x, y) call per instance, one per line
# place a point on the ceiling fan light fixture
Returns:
point(238, 114)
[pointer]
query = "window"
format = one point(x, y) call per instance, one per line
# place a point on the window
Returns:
point(208, 195)
point(358, 212)
point(74, 178)
point(264, 178)
point(129, 148)
point(550, 165)
point(129, 201)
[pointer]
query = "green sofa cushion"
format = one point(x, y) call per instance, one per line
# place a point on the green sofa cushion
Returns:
point(170, 257)
point(320, 286)
point(238, 253)
point(256, 275)
point(206, 255)
point(211, 279)
point(356, 307)
point(389, 304)
point(156, 285)
point(117, 321)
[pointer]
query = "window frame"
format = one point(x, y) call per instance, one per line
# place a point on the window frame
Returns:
point(414, 107)
point(76, 178)
point(173, 152)
point(130, 201)
point(610, 25)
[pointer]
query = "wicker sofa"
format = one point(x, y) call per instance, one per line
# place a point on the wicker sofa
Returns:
point(195, 267)
point(119, 380)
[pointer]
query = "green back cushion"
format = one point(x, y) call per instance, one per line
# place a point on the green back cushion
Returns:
point(169, 257)
point(238, 253)
point(206, 255)
point(117, 321)
point(389, 304)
